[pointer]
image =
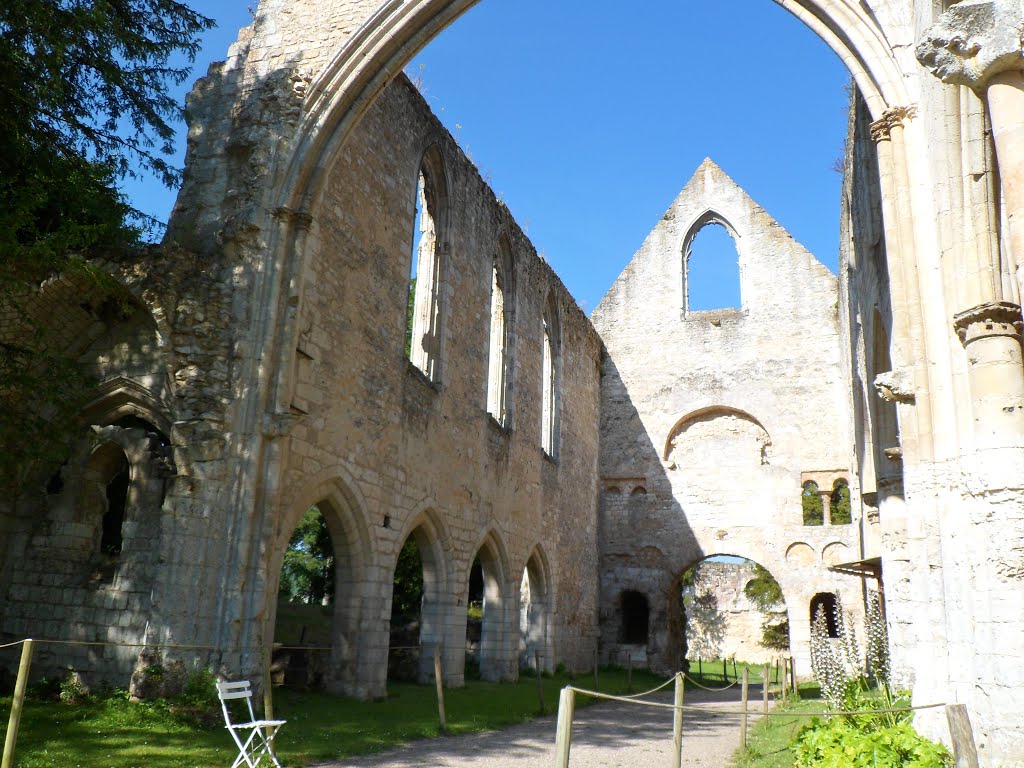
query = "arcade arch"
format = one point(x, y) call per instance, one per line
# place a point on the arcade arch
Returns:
point(536, 643)
point(487, 592)
point(420, 592)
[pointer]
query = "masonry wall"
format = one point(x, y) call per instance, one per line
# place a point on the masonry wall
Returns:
point(422, 455)
point(709, 418)
point(728, 625)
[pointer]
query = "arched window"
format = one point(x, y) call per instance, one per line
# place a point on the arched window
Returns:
point(499, 378)
point(813, 509)
point(550, 366)
point(826, 602)
point(711, 275)
point(423, 339)
point(839, 506)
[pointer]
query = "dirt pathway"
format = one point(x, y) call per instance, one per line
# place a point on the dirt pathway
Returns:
point(610, 735)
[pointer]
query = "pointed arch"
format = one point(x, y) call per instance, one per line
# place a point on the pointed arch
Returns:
point(499, 365)
point(119, 397)
point(710, 218)
point(493, 654)
point(337, 498)
point(536, 612)
point(426, 284)
point(345, 88)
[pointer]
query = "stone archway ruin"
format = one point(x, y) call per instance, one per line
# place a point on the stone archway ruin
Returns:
point(301, 214)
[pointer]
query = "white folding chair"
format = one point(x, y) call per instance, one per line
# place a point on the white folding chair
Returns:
point(255, 739)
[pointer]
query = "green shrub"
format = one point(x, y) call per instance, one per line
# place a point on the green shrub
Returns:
point(839, 743)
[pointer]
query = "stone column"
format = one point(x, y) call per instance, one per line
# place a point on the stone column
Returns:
point(977, 43)
point(826, 506)
point(990, 334)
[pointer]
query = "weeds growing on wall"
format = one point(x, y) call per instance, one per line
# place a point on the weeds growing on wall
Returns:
point(852, 681)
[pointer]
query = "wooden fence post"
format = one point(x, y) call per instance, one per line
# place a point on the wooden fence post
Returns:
point(595, 669)
point(563, 736)
point(540, 681)
point(743, 715)
point(17, 703)
point(784, 678)
point(629, 672)
point(965, 754)
point(764, 688)
point(677, 722)
point(725, 671)
point(792, 677)
point(439, 682)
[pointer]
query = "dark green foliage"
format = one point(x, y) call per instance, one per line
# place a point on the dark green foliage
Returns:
point(885, 740)
point(775, 636)
point(813, 509)
point(41, 393)
point(83, 84)
point(408, 587)
point(307, 573)
point(764, 592)
point(839, 508)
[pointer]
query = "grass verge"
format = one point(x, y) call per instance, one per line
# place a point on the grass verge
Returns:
point(768, 740)
point(110, 732)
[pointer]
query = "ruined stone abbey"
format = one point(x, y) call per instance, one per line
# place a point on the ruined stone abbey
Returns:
point(275, 360)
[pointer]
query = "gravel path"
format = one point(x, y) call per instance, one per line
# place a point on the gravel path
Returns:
point(611, 735)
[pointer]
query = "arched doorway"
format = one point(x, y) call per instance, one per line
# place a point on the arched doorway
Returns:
point(486, 623)
point(417, 624)
point(535, 601)
point(728, 607)
point(318, 594)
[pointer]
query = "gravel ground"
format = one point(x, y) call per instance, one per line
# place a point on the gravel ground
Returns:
point(611, 735)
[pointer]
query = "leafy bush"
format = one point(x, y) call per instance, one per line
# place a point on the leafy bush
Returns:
point(881, 736)
point(840, 743)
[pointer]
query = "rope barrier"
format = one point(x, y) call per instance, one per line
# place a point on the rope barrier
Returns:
point(648, 693)
point(183, 646)
point(726, 688)
point(129, 645)
point(688, 708)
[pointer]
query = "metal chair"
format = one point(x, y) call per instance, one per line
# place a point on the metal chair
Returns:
point(255, 739)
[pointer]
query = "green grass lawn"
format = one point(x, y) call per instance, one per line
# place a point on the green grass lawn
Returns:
point(768, 740)
point(109, 732)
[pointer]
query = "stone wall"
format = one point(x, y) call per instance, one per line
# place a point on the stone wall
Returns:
point(728, 625)
point(386, 452)
point(710, 418)
point(424, 456)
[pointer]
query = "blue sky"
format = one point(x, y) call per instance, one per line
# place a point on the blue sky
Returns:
point(588, 121)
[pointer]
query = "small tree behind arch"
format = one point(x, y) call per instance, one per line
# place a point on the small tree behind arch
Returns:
point(813, 509)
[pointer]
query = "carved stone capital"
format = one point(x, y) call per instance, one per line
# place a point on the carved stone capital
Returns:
point(974, 40)
point(895, 386)
point(996, 318)
point(881, 129)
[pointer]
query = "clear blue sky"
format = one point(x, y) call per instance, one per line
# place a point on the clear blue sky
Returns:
point(588, 120)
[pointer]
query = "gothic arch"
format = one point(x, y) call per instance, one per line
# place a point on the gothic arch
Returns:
point(345, 88)
point(536, 624)
point(708, 218)
point(495, 623)
point(343, 510)
point(120, 397)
